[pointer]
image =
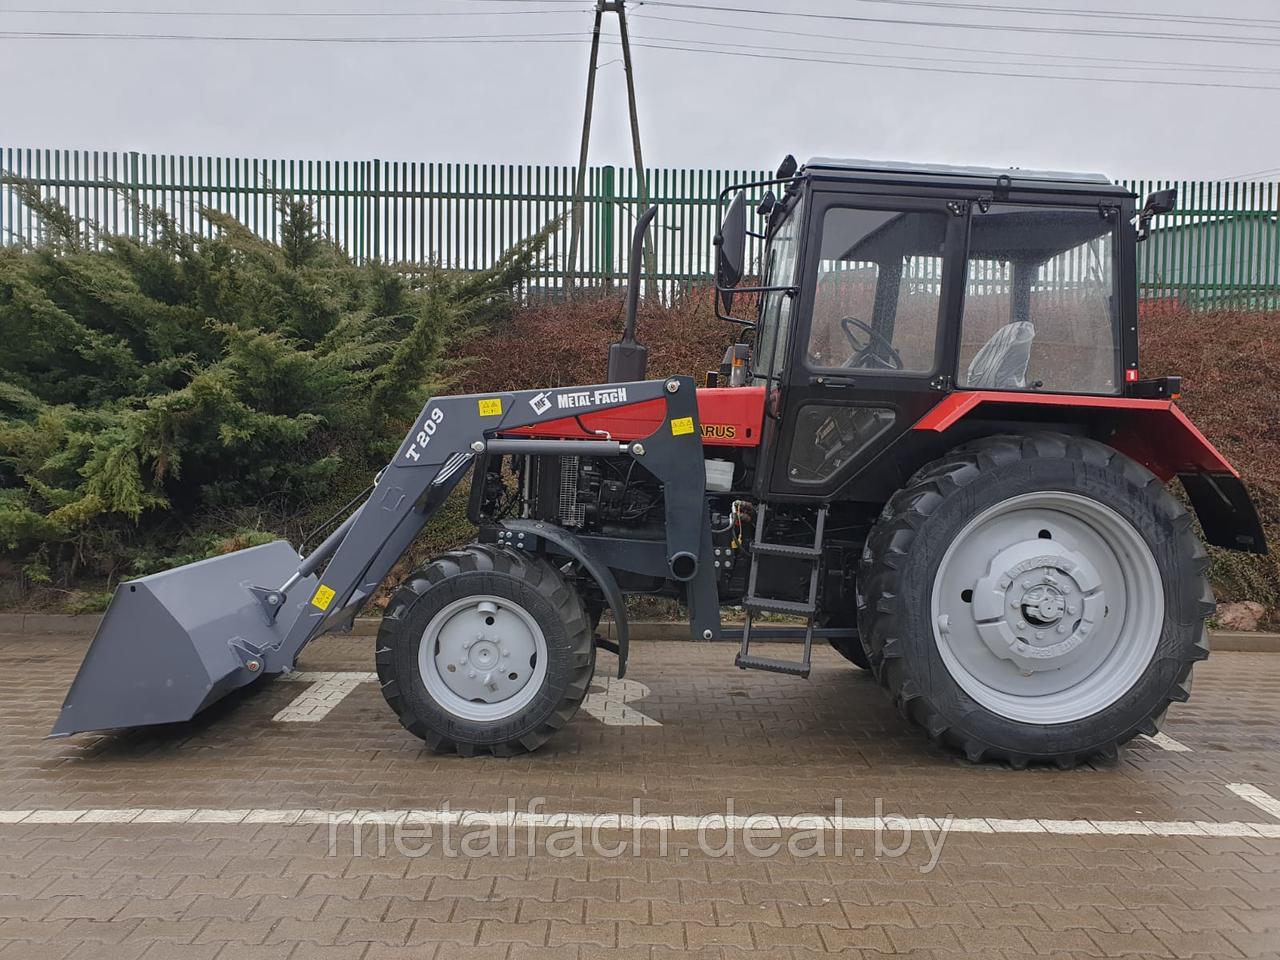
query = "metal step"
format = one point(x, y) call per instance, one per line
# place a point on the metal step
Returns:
point(788, 550)
point(799, 608)
point(792, 668)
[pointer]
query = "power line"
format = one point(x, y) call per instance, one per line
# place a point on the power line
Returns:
point(979, 62)
point(958, 25)
point(1110, 61)
point(566, 37)
point(1135, 15)
point(1129, 15)
point(1255, 173)
point(297, 13)
point(670, 44)
point(971, 73)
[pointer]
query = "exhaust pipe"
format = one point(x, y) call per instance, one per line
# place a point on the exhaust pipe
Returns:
point(628, 358)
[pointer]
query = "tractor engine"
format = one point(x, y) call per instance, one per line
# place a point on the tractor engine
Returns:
point(611, 497)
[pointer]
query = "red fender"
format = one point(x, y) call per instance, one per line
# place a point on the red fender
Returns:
point(1156, 434)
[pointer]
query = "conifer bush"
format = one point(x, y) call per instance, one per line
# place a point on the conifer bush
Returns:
point(167, 400)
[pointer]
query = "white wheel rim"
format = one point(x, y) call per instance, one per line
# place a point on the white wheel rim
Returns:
point(1047, 629)
point(483, 658)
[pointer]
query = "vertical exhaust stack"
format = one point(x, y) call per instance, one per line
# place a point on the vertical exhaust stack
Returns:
point(628, 358)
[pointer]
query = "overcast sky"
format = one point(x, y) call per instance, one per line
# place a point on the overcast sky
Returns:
point(520, 99)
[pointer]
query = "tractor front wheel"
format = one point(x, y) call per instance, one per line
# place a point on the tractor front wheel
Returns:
point(1036, 598)
point(485, 650)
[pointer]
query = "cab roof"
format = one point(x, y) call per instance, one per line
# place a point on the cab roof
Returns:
point(892, 170)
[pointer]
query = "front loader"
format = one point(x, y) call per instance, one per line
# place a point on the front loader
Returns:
point(930, 446)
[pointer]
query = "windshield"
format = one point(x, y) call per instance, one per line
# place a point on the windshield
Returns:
point(774, 326)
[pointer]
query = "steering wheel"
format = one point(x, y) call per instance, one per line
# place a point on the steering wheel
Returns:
point(864, 354)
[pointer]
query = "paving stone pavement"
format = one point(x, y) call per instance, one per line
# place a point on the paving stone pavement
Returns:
point(832, 745)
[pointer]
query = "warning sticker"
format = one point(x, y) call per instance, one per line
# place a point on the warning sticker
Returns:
point(324, 596)
point(490, 407)
point(681, 426)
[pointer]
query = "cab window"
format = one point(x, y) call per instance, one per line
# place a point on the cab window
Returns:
point(878, 292)
point(774, 325)
point(1040, 301)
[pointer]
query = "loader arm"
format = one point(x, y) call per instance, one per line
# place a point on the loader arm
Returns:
point(175, 642)
point(451, 431)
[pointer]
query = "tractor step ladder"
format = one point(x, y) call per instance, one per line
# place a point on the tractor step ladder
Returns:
point(753, 603)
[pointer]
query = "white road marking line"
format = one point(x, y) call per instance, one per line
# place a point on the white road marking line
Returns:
point(1165, 742)
point(326, 691)
point(655, 823)
point(609, 705)
point(1259, 798)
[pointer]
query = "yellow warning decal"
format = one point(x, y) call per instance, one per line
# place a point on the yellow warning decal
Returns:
point(490, 407)
point(324, 596)
point(681, 426)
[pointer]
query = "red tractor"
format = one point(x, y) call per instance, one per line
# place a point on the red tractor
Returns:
point(931, 446)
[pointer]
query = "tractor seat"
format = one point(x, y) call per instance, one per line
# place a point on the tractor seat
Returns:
point(1002, 362)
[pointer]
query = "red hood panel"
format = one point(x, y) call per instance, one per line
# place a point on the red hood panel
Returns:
point(730, 417)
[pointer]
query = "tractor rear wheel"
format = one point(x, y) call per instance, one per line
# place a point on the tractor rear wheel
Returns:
point(1034, 598)
point(849, 647)
point(485, 650)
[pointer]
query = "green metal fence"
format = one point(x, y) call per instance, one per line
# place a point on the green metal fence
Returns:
point(1223, 243)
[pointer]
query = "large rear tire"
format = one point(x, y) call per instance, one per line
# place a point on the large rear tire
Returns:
point(849, 647)
point(485, 650)
point(1036, 598)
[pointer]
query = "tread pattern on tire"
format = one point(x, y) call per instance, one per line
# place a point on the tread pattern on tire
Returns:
point(886, 558)
point(484, 558)
point(848, 647)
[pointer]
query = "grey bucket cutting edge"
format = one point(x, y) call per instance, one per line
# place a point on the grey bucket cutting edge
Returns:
point(173, 643)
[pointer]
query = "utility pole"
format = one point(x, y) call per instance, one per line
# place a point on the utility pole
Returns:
point(580, 185)
point(641, 178)
point(576, 230)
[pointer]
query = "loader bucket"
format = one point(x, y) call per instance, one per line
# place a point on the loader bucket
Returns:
point(174, 642)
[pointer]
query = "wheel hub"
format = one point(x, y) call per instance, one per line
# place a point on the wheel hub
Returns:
point(481, 655)
point(1044, 606)
point(1037, 603)
point(1047, 607)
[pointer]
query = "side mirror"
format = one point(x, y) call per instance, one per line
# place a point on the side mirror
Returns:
point(1162, 201)
point(731, 246)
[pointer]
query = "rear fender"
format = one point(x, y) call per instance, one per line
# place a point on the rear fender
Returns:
point(1155, 433)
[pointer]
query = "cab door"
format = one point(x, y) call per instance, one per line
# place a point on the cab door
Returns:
point(870, 352)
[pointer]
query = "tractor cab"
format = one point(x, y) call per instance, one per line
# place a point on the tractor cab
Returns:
point(885, 287)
